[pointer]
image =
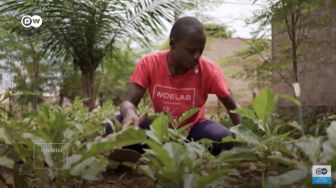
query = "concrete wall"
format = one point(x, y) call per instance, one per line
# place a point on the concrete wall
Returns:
point(318, 57)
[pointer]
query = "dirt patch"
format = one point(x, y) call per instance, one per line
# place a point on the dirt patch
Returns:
point(125, 180)
point(129, 179)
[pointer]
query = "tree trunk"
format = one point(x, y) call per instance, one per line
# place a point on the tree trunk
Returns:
point(88, 86)
point(294, 50)
point(35, 80)
point(35, 86)
point(61, 97)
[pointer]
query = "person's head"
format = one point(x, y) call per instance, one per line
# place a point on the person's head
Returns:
point(187, 41)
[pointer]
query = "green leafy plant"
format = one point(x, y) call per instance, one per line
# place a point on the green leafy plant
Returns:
point(275, 155)
point(269, 152)
point(25, 140)
point(272, 147)
point(173, 161)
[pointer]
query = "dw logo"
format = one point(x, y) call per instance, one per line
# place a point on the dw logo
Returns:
point(31, 21)
point(320, 171)
point(321, 175)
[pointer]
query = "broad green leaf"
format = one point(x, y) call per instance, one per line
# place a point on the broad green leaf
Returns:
point(4, 135)
point(123, 138)
point(295, 125)
point(40, 144)
point(176, 151)
point(153, 161)
point(95, 170)
point(68, 134)
point(160, 127)
point(117, 126)
point(152, 136)
point(189, 180)
point(195, 153)
point(290, 99)
point(246, 134)
point(163, 156)
point(146, 169)
point(329, 147)
point(264, 105)
point(311, 147)
point(183, 130)
point(90, 168)
point(178, 136)
point(69, 161)
point(53, 124)
point(23, 147)
point(246, 112)
point(331, 131)
point(209, 178)
point(287, 178)
point(207, 143)
point(187, 114)
point(79, 126)
point(6, 162)
point(279, 144)
point(5, 95)
point(282, 160)
point(195, 150)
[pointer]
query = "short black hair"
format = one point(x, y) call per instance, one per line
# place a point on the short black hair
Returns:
point(185, 25)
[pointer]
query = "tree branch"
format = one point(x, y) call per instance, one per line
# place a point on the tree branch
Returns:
point(288, 26)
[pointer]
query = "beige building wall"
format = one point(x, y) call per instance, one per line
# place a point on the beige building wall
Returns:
point(217, 50)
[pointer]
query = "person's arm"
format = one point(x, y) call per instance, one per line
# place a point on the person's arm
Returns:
point(128, 108)
point(230, 105)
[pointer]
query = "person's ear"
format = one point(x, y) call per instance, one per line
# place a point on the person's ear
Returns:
point(172, 43)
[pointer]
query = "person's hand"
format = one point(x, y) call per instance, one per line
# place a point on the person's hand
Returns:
point(131, 118)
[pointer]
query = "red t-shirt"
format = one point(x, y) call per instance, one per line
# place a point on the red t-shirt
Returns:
point(177, 94)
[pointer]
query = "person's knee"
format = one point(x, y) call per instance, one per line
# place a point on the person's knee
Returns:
point(220, 135)
point(213, 131)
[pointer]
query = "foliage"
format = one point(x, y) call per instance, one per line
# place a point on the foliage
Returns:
point(23, 60)
point(198, 8)
point(269, 152)
point(257, 64)
point(274, 146)
point(217, 31)
point(72, 131)
point(85, 31)
point(290, 20)
point(116, 71)
point(69, 84)
point(173, 161)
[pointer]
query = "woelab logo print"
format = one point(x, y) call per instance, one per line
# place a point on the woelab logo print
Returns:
point(173, 100)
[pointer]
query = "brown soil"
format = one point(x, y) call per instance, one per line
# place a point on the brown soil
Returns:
point(129, 179)
point(125, 180)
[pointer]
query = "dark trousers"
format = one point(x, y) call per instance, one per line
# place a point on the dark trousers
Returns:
point(205, 129)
